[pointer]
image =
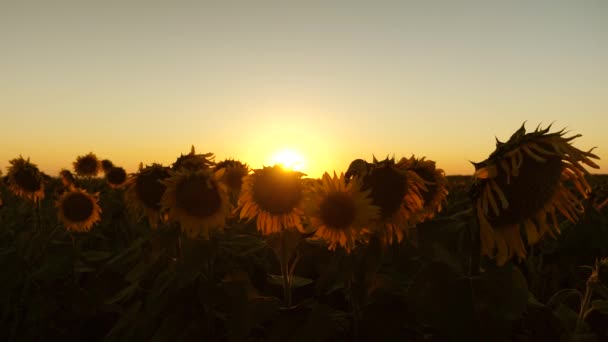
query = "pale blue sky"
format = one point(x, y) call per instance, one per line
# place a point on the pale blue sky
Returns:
point(143, 80)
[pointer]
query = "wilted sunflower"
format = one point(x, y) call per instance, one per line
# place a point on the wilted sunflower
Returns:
point(78, 210)
point(234, 172)
point(397, 192)
point(144, 191)
point(67, 178)
point(340, 212)
point(87, 165)
point(197, 200)
point(25, 180)
point(436, 185)
point(523, 183)
point(193, 161)
point(274, 196)
point(116, 177)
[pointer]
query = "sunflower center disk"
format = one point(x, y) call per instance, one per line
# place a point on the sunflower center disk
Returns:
point(427, 176)
point(149, 188)
point(198, 198)
point(27, 180)
point(117, 175)
point(277, 193)
point(388, 189)
point(234, 178)
point(77, 207)
point(530, 191)
point(337, 210)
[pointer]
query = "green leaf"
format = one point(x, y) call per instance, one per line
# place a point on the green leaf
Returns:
point(560, 296)
point(296, 281)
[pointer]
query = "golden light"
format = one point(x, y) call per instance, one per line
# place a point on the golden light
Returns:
point(289, 159)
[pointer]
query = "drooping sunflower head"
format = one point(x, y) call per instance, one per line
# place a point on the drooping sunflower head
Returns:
point(397, 192)
point(25, 180)
point(357, 168)
point(340, 213)
point(106, 165)
point(523, 183)
point(274, 196)
point(78, 210)
point(435, 182)
point(197, 200)
point(116, 177)
point(234, 172)
point(87, 165)
point(144, 191)
point(67, 178)
point(193, 161)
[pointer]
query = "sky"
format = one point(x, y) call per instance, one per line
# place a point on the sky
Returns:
point(143, 81)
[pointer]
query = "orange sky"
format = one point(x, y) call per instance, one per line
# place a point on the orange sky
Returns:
point(142, 84)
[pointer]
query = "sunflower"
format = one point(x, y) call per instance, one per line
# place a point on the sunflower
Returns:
point(87, 165)
point(106, 165)
point(197, 200)
point(144, 191)
point(397, 192)
point(67, 178)
point(234, 172)
point(340, 212)
point(434, 180)
point(116, 177)
point(25, 180)
point(78, 210)
point(193, 161)
point(523, 184)
point(274, 197)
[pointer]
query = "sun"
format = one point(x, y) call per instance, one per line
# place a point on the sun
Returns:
point(289, 159)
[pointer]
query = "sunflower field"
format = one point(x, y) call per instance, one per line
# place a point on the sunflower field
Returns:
point(389, 250)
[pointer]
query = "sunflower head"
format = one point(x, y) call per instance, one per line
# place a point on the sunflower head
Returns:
point(25, 180)
point(357, 168)
point(234, 172)
point(397, 192)
point(116, 177)
point(522, 183)
point(144, 191)
point(435, 182)
point(78, 210)
point(197, 200)
point(274, 196)
point(193, 161)
point(87, 165)
point(67, 178)
point(340, 213)
point(106, 165)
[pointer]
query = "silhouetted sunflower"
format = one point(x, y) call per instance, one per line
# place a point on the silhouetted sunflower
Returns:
point(116, 177)
point(25, 180)
point(78, 210)
point(234, 172)
point(197, 200)
point(144, 191)
point(106, 165)
point(273, 196)
point(522, 183)
point(193, 161)
point(397, 192)
point(340, 213)
point(67, 178)
point(87, 165)
point(435, 182)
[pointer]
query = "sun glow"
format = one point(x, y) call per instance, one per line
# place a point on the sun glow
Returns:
point(289, 159)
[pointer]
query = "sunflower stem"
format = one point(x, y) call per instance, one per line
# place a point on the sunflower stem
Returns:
point(475, 257)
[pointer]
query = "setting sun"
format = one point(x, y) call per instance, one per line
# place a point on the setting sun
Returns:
point(289, 159)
